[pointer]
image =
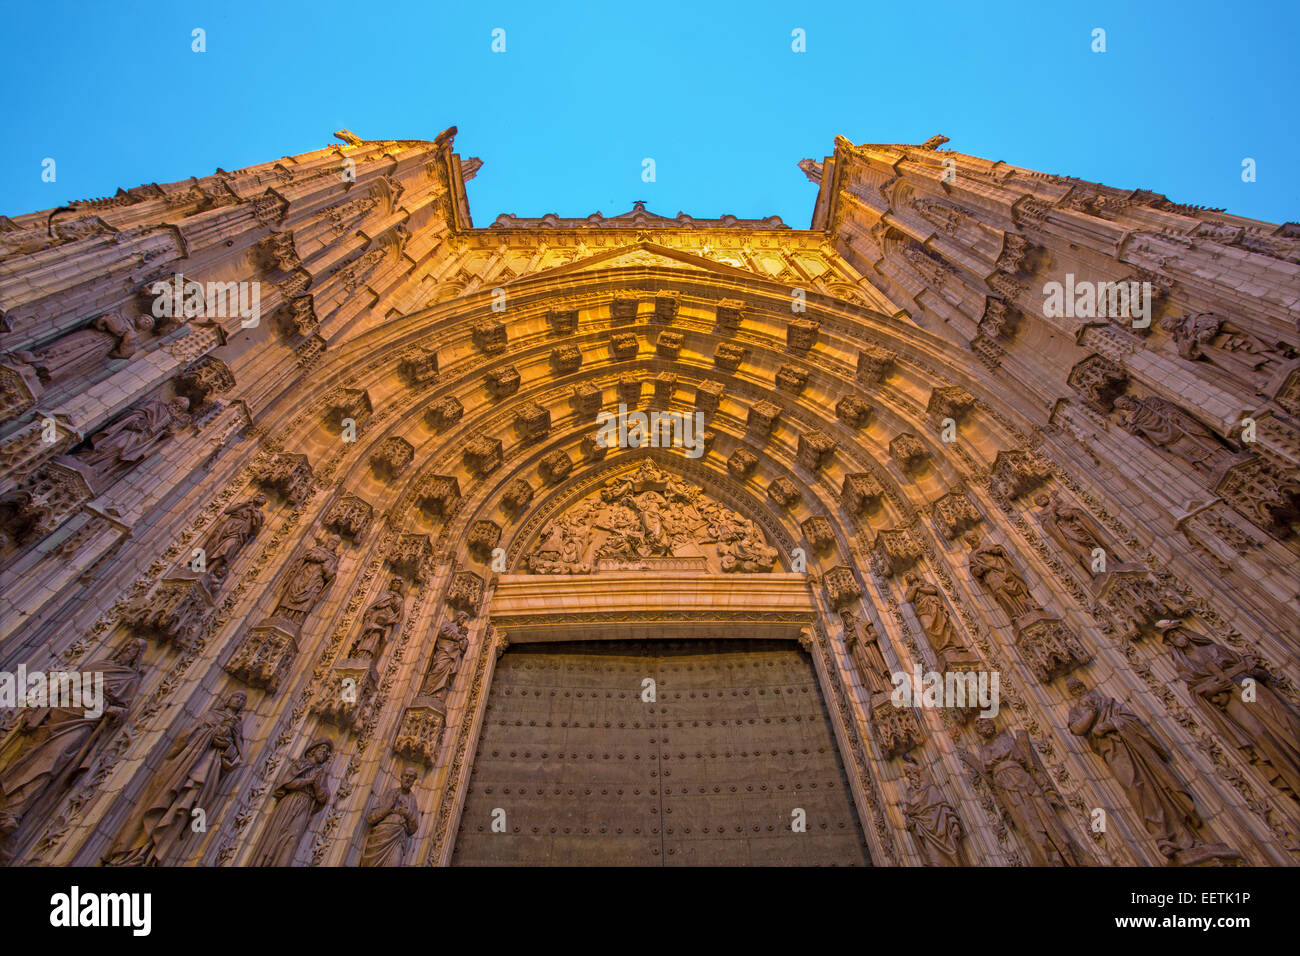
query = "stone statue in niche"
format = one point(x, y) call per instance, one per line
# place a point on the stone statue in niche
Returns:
point(238, 525)
point(1141, 765)
point(1233, 689)
point(188, 780)
point(1027, 796)
point(1073, 529)
point(931, 819)
point(392, 823)
point(302, 792)
point(932, 612)
point(56, 745)
point(379, 622)
point(131, 439)
point(309, 578)
point(77, 354)
point(648, 516)
point(995, 571)
point(1168, 427)
point(453, 641)
point(1210, 338)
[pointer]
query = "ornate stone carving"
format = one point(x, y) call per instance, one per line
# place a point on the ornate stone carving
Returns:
point(562, 321)
point(1048, 648)
point(818, 532)
point(341, 403)
point(391, 457)
point(566, 358)
point(516, 496)
point(418, 366)
point(483, 455)
point(466, 593)
point(909, 452)
point(290, 475)
point(791, 379)
point(741, 463)
point(665, 385)
point(1171, 429)
point(587, 399)
point(784, 492)
point(629, 389)
point(533, 421)
point(728, 315)
point(623, 346)
point(1015, 473)
point(204, 378)
point(708, 396)
point(801, 334)
point(381, 620)
point(875, 364)
point(453, 640)
point(863, 646)
point(1099, 380)
point(490, 336)
point(80, 353)
point(503, 382)
point(439, 496)
point(728, 356)
point(411, 555)
point(649, 519)
point(898, 550)
point(555, 466)
point(950, 402)
point(307, 580)
point(954, 513)
point(841, 587)
point(191, 776)
point(669, 344)
point(1263, 493)
point(860, 493)
point(623, 309)
point(1142, 765)
point(177, 612)
point(815, 450)
point(483, 538)
point(444, 413)
point(852, 411)
point(762, 418)
point(420, 732)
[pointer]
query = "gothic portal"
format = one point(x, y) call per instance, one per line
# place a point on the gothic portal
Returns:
point(400, 541)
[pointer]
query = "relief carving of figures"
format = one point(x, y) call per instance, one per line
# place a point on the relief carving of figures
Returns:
point(131, 438)
point(77, 354)
point(392, 823)
point(453, 641)
point(1168, 427)
point(1142, 766)
point(54, 746)
point(1072, 528)
point(931, 819)
point(379, 622)
point(309, 578)
point(649, 515)
point(995, 571)
point(189, 779)
point(1210, 338)
point(302, 793)
point(238, 525)
point(1025, 792)
point(932, 612)
point(1233, 689)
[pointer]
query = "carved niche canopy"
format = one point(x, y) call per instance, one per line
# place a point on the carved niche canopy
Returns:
point(648, 519)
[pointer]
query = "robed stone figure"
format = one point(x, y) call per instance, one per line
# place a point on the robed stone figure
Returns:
point(302, 792)
point(378, 623)
point(392, 823)
point(1027, 795)
point(189, 779)
point(1142, 766)
point(996, 572)
point(453, 640)
point(54, 746)
point(931, 819)
point(132, 438)
point(238, 525)
point(309, 578)
point(81, 352)
point(1233, 689)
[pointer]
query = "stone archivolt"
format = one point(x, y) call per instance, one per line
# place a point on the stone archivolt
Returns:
point(823, 457)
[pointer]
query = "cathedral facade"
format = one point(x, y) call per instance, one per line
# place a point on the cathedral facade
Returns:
point(958, 528)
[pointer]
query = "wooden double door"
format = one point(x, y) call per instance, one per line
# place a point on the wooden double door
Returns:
point(649, 753)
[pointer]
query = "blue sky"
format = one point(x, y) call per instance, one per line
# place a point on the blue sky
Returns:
point(710, 90)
